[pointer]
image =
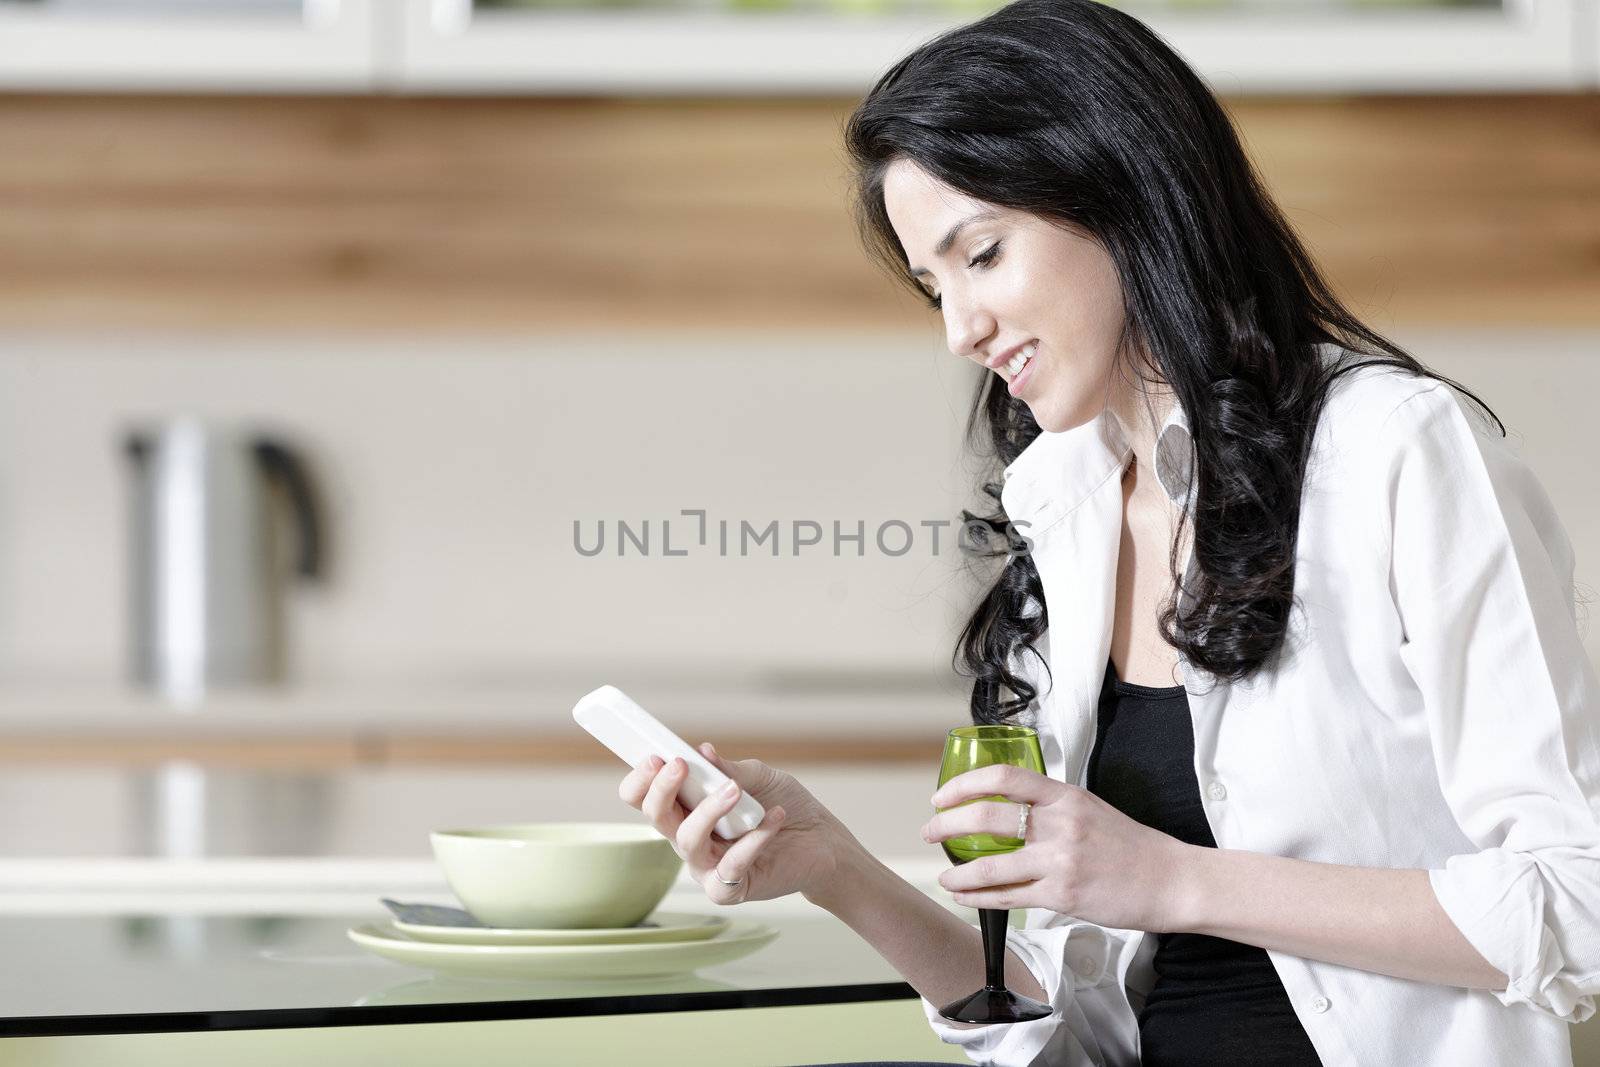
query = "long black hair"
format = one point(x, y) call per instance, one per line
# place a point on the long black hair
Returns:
point(1077, 113)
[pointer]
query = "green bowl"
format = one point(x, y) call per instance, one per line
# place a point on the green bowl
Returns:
point(558, 876)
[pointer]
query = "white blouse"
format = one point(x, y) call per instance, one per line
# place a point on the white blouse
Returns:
point(1433, 708)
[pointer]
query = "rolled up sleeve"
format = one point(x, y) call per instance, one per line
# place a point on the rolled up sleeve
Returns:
point(1481, 574)
point(1092, 1024)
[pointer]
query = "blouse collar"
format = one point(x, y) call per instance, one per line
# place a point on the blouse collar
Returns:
point(1063, 469)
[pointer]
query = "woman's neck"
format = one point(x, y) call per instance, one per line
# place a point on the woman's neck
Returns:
point(1140, 415)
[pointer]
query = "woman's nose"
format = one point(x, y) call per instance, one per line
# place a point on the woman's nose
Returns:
point(966, 327)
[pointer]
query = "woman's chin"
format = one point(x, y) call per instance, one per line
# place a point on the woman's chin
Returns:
point(1046, 414)
point(1056, 418)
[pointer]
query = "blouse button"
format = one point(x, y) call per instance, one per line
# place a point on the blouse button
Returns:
point(1320, 1004)
point(1217, 791)
point(1085, 967)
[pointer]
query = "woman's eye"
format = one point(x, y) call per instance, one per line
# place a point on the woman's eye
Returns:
point(982, 259)
point(986, 257)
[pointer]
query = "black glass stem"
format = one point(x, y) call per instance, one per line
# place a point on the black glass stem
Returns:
point(994, 1003)
point(993, 924)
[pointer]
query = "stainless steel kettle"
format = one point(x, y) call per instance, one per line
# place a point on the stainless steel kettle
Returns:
point(207, 570)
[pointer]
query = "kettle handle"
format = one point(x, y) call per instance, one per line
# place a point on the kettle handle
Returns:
point(283, 463)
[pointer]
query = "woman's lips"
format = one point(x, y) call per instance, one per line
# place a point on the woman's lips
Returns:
point(1020, 382)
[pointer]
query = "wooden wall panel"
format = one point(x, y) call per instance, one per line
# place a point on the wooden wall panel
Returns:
point(434, 215)
point(1443, 210)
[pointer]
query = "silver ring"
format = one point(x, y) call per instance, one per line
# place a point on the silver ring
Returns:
point(724, 881)
point(1022, 822)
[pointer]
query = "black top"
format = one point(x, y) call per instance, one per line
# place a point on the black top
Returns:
point(1214, 1001)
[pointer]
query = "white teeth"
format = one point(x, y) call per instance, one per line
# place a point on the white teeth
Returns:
point(1017, 362)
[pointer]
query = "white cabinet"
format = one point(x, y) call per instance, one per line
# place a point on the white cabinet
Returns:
point(455, 46)
point(1587, 38)
point(459, 46)
point(451, 47)
point(171, 45)
point(1516, 45)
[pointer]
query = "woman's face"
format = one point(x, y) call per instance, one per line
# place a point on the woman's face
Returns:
point(1012, 283)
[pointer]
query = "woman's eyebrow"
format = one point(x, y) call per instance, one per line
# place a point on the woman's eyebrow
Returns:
point(949, 239)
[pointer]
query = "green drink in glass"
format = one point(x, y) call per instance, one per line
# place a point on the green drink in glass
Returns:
point(968, 748)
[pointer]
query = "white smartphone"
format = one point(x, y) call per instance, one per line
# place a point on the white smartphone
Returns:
point(635, 735)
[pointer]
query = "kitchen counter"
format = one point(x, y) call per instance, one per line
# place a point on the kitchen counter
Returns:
point(146, 963)
point(129, 970)
point(248, 960)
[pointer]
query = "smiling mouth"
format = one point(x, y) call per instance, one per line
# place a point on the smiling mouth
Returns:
point(1014, 366)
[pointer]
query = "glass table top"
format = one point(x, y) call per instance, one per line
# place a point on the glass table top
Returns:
point(130, 973)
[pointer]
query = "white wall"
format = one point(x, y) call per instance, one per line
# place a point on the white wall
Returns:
point(456, 467)
point(455, 471)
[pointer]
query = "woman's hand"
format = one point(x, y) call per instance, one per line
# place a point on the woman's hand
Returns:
point(795, 848)
point(1082, 856)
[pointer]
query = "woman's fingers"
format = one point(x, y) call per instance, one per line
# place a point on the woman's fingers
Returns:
point(752, 775)
point(1000, 898)
point(741, 856)
point(992, 872)
point(997, 817)
point(694, 833)
point(660, 804)
point(1018, 783)
point(636, 783)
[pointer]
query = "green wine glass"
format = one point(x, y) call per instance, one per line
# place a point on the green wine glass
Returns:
point(968, 748)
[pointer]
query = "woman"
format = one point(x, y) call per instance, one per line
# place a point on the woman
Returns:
point(1330, 797)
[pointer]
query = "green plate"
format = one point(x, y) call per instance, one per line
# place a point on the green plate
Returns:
point(662, 926)
point(565, 961)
